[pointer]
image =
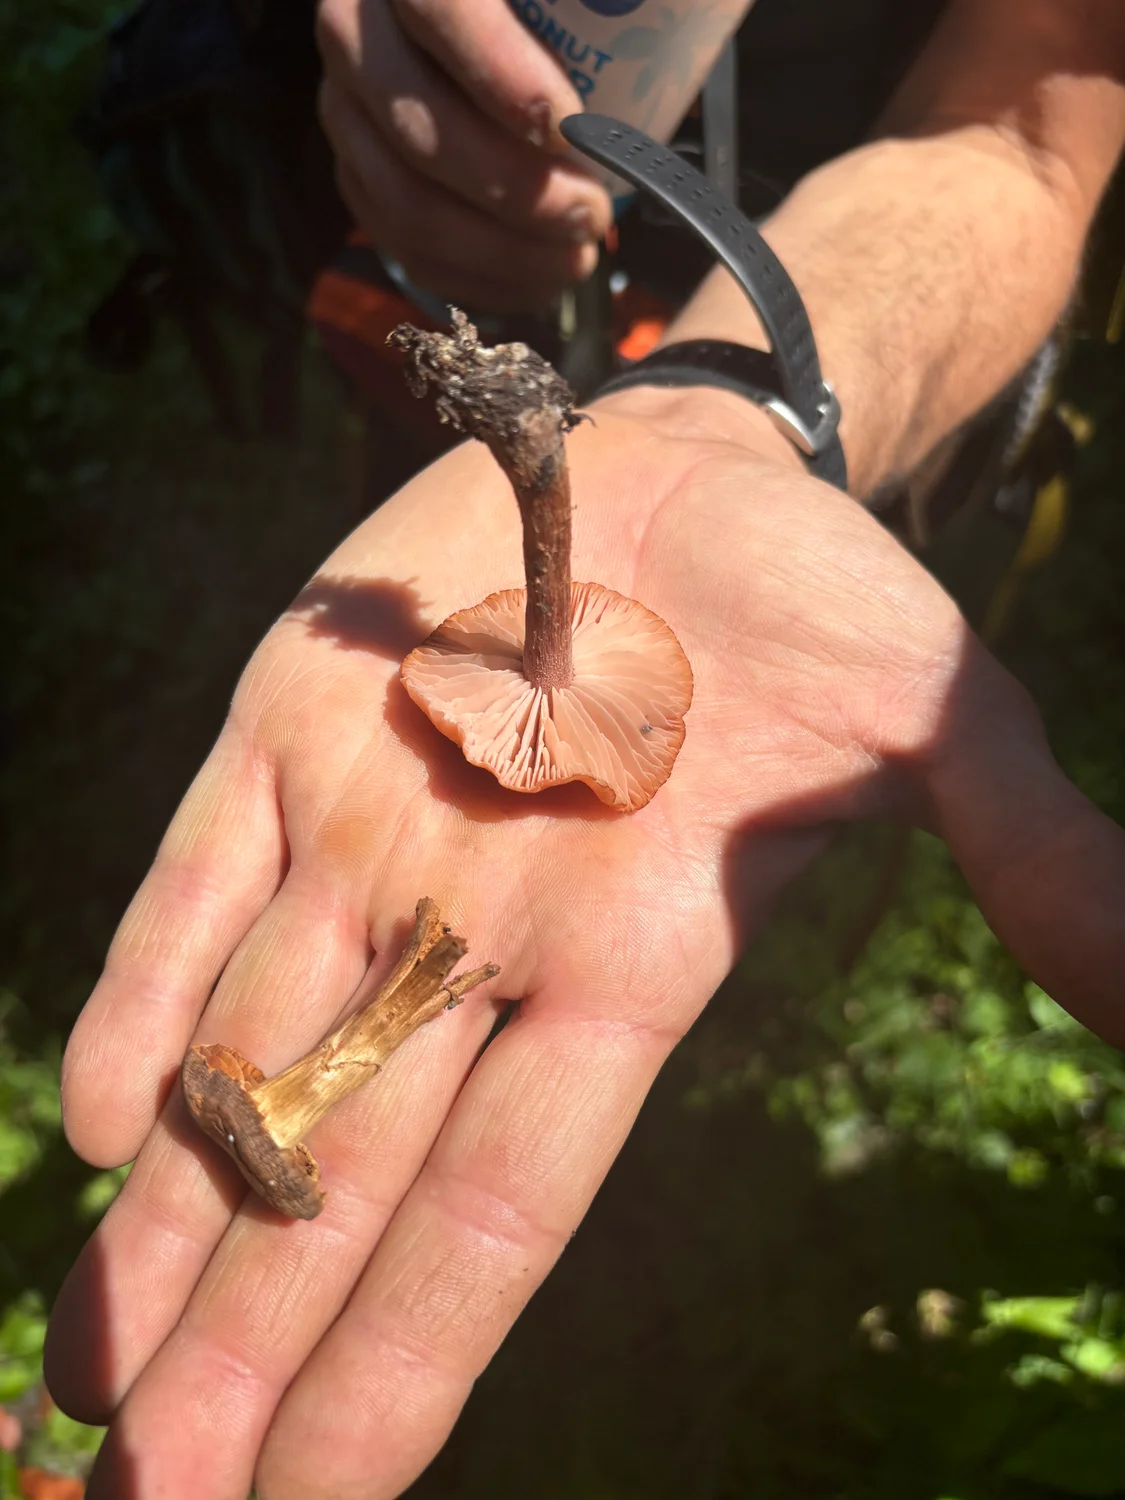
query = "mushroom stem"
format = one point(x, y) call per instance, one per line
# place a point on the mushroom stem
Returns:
point(260, 1121)
point(513, 401)
point(535, 462)
point(291, 1102)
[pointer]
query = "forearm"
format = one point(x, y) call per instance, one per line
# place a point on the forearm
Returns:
point(935, 261)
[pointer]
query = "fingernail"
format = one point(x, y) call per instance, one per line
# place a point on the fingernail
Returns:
point(587, 260)
point(580, 223)
point(542, 129)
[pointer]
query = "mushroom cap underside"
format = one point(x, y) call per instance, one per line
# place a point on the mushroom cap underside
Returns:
point(618, 726)
point(215, 1083)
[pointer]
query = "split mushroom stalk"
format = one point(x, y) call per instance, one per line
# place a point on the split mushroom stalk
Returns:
point(560, 681)
point(260, 1121)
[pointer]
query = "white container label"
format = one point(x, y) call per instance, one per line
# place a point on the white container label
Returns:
point(641, 61)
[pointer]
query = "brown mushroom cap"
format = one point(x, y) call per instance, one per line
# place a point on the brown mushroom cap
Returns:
point(618, 726)
point(216, 1081)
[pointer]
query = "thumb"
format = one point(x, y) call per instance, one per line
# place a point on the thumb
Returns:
point(1046, 867)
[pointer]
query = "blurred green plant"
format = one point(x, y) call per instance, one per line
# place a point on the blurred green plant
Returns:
point(50, 1440)
point(29, 1103)
point(936, 1036)
point(1025, 1391)
point(30, 1131)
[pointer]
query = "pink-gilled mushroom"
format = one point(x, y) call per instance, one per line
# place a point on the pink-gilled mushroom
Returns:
point(260, 1121)
point(558, 681)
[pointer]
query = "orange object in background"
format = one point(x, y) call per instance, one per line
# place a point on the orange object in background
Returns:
point(353, 309)
point(641, 339)
point(353, 312)
point(37, 1484)
point(639, 322)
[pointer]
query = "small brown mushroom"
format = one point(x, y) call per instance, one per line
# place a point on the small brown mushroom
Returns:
point(559, 681)
point(260, 1121)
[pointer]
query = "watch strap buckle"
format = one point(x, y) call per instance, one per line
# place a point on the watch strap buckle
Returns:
point(812, 441)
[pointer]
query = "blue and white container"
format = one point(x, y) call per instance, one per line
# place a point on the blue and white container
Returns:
point(641, 61)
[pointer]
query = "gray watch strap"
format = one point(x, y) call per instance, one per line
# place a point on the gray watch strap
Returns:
point(802, 404)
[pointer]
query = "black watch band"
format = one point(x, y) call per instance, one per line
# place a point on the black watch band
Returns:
point(787, 381)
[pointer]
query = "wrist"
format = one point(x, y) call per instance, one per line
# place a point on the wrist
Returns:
point(786, 381)
point(885, 247)
point(704, 414)
point(933, 270)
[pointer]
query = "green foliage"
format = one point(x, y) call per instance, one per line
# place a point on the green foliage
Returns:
point(22, 1331)
point(29, 1103)
point(51, 1441)
point(937, 1037)
point(30, 1128)
point(63, 1446)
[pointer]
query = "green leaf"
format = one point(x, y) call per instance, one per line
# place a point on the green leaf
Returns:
point(10, 1488)
point(1034, 1369)
point(63, 1445)
point(16, 1378)
point(1050, 1317)
point(1068, 1081)
point(1047, 1014)
point(1028, 1168)
point(100, 1192)
point(986, 1013)
point(1096, 1358)
point(23, 1329)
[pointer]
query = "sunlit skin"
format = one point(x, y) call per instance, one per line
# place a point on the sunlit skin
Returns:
point(834, 680)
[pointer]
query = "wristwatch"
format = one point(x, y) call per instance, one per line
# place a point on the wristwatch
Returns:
point(786, 382)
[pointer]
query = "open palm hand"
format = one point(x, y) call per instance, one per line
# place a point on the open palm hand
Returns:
point(833, 679)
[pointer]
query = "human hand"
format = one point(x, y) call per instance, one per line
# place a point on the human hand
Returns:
point(834, 680)
point(443, 115)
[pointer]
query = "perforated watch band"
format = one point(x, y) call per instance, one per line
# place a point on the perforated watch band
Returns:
point(787, 382)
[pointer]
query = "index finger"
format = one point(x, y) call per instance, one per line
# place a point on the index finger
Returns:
point(497, 62)
point(218, 865)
